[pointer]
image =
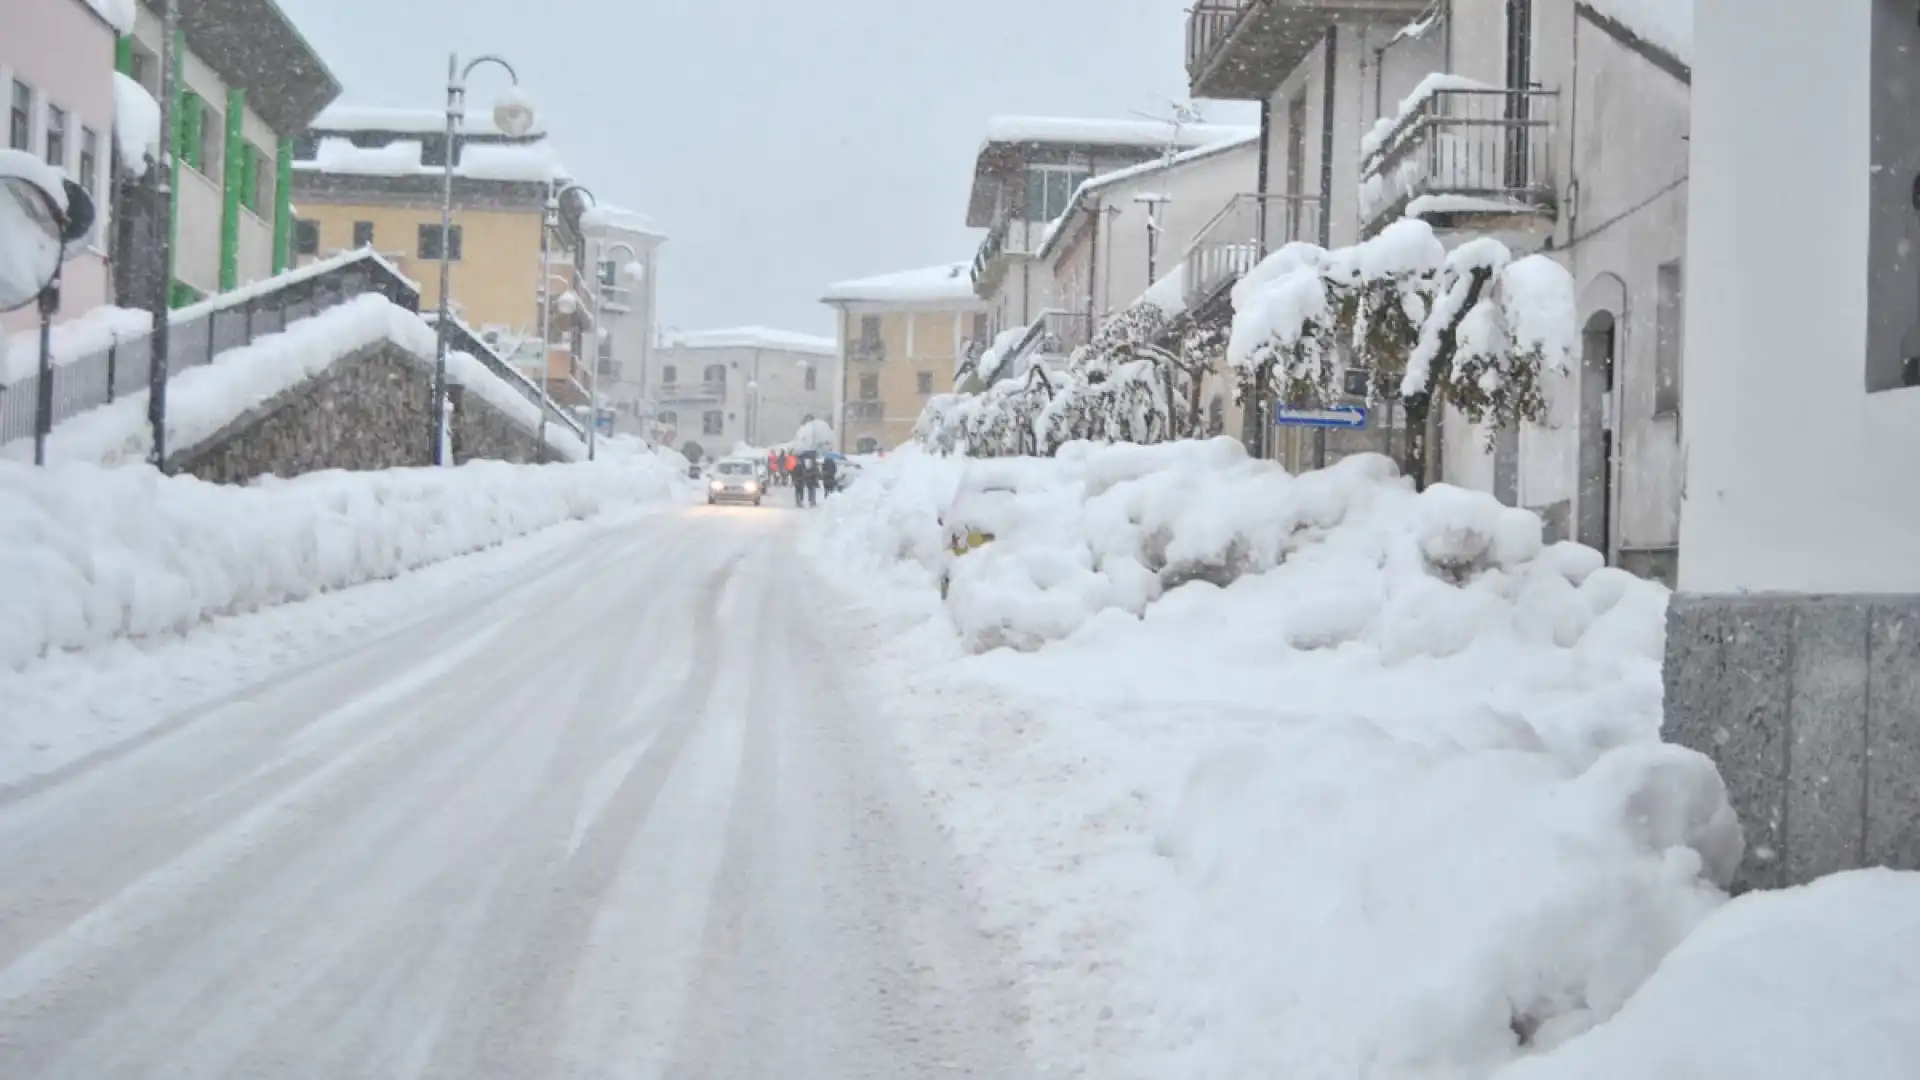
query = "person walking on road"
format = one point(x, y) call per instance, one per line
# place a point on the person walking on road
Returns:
point(797, 476)
point(829, 476)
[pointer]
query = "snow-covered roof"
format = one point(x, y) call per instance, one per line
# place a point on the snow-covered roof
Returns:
point(407, 121)
point(524, 162)
point(947, 281)
point(755, 337)
point(619, 219)
point(1665, 24)
point(117, 13)
point(1094, 186)
point(1099, 132)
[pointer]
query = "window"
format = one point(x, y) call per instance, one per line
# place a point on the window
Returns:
point(20, 120)
point(362, 234)
point(306, 238)
point(715, 375)
point(137, 66)
point(56, 136)
point(869, 388)
point(867, 444)
point(669, 374)
point(605, 359)
point(813, 377)
point(979, 327)
point(89, 160)
point(306, 146)
point(870, 331)
point(923, 382)
point(186, 135)
point(430, 243)
point(213, 134)
point(667, 418)
point(1669, 338)
point(1050, 189)
point(712, 423)
point(433, 149)
point(609, 273)
point(266, 182)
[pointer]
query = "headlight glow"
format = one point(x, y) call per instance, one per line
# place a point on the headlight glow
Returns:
point(718, 485)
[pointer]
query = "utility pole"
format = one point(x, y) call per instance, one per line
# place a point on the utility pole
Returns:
point(160, 283)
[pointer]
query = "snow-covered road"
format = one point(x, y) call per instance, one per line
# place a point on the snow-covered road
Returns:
point(626, 816)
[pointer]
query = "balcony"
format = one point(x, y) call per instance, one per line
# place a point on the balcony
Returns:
point(1005, 237)
point(1240, 50)
point(1245, 230)
point(692, 391)
point(1466, 159)
point(867, 351)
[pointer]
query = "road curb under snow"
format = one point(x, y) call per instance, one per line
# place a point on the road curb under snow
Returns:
point(89, 555)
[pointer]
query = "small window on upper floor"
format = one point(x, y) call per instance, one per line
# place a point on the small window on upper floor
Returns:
point(57, 137)
point(306, 237)
point(1050, 190)
point(430, 247)
point(20, 118)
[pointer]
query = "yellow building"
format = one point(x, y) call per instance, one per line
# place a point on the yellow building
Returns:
point(372, 177)
point(902, 336)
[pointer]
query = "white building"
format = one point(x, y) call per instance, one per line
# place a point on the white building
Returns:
point(1557, 125)
point(1793, 643)
point(624, 246)
point(715, 389)
point(1025, 177)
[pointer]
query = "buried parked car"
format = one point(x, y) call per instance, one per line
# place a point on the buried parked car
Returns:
point(734, 480)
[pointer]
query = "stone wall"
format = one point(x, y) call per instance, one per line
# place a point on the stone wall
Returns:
point(368, 410)
point(1810, 706)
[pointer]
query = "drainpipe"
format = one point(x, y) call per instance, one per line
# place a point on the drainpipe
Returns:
point(1328, 87)
point(1263, 170)
point(235, 176)
point(178, 93)
point(1095, 213)
point(283, 204)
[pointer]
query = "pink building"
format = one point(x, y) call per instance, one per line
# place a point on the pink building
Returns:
point(56, 72)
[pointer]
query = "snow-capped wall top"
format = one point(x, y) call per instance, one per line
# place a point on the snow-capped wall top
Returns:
point(136, 124)
point(1665, 24)
point(529, 162)
point(1093, 132)
point(619, 219)
point(754, 337)
point(948, 281)
point(407, 121)
point(117, 13)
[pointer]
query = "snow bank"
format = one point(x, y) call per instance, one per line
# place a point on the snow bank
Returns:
point(1818, 981)
point(136, 123)
point(86, 334)
point(1284, 776)
point(203, 400)
point(89, 554)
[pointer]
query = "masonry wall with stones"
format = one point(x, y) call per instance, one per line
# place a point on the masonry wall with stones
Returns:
point(368, 410)
point(1810, 706)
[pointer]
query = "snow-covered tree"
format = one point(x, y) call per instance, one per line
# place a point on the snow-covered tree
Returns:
point(816, 435)
point(1473, 328)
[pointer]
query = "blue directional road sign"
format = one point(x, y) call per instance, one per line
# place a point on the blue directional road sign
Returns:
point(1333, 416)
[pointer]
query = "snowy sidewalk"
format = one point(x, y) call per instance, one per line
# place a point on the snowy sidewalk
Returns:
point(1314, 777)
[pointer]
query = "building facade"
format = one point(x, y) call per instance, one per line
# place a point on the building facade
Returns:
point(718, 389)
point(1025, 178)
point(903, 337)
point(1794, 638)
point(624, 249)
point(247, 83)
point(56, 67)
point(1557, 126)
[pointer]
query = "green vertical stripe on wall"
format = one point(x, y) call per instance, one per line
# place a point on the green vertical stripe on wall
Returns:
point(235, 158)
point(179, 98)
point(123, 54)
point(283, 204)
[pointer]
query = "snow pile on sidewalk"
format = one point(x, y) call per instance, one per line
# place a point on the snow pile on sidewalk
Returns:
point(91, 554)
point(1285, 776)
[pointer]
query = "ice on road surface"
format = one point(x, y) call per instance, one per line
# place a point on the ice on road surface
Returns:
point(626, 815)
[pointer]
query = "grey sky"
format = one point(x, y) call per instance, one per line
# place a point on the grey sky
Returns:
point(781, 144)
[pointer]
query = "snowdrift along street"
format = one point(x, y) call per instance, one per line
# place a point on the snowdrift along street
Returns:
point(91, 554)
point(1304, 776)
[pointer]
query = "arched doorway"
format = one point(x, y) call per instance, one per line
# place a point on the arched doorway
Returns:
point(867, 445)
point(1599, 345)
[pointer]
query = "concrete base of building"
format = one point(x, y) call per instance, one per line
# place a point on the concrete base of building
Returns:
point(1810, 706)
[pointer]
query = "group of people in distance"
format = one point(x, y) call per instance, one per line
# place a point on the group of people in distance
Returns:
point(809, 474)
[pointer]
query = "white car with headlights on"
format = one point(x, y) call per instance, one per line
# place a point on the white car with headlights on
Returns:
point(734, 480)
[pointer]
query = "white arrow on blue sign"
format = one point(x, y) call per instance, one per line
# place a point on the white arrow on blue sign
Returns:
point(1333, 416)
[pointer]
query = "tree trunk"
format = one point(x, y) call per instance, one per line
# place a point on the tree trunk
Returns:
point(1423, 417)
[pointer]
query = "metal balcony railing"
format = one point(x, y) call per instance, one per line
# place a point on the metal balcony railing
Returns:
point(1053, 334)
point(1209, 25)
point(1246, 230)
point(199, 333)
point(1465, 152)
point(706, 390)
point(871, 351)
point(461, 338)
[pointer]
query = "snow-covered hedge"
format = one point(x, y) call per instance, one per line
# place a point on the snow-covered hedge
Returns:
point(90, 554)
point(1405, 809)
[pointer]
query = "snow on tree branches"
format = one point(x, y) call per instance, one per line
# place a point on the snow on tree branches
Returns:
point(1475, 324)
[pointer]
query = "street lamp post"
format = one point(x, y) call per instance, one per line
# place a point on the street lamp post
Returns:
point(632, 270)
point(160, 177)
point(513, 115)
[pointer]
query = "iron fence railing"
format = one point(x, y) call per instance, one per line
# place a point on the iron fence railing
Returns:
point(1471, 150)
point(1054, 333)
point(1246, 230)
point(1209, 25)
point(197, 334)
point(461, 338)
